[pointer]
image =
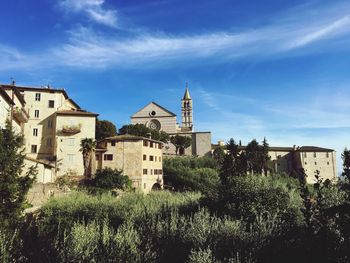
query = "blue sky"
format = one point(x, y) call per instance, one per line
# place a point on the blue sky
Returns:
point(279, 69)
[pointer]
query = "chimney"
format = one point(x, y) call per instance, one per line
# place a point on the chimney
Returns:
point(221, 143)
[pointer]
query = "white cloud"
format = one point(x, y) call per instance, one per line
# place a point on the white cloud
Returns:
point(92, 8)
point(337, 27)
point(86, 48)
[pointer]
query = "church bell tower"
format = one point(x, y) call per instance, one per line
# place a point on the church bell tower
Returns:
point(187, 113)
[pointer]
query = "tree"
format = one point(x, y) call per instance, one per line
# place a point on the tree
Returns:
point(265, 156)
point(181, 143)
point(143, 131)
point(234, 162)
point(105, 129)
point(88, 146)
point(14, 186)
point(111, 179)
point(254, 157)
point(346, 164)
point(219, 156)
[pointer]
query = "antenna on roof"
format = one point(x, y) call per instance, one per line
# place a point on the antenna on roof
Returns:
point(13, 82)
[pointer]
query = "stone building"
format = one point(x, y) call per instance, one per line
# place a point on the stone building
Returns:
point(53, 126)
point(157, 117)
point(139, 158)
point(310, 158)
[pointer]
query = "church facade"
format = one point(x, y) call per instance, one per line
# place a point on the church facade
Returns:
point(157, 117)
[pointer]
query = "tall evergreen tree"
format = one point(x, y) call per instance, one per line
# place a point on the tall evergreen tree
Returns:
point(265, 156)
point(14, 186)
point(346, 164)
point(254, 157)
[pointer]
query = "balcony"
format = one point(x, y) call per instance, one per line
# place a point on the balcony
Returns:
point(71, 129)
point(20, 114)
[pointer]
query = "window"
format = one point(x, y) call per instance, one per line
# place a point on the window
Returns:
point(51, 103)
point(305, 155)
point(155, 171)
point(144, 157)
point(71, 141)
point(151, 171)
point(151, 158)
point(49, 142)
point(155, 158)
point(145, 143)
point(36, 113)
point(71, 158)
point(327, 154)
point(160, 171)
point(112, 143)
point(160, 146)
point(108, 157)
point(160, 159)
point(314, 155)
point(37, 96)
point(49, 124)
point(35, 132)
point(315, 163)
point(144, 171)
point(327, 163)
point(34, 149)
point(97, 157)
point(305, 163)
point(151, 144)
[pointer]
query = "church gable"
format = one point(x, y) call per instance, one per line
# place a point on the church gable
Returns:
point(153, 110)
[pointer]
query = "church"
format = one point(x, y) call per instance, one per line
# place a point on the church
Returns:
point(157, 117)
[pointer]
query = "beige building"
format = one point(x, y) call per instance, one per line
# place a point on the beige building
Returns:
point(310, 158)
point(139, 158)
point(157, 117)
point(12, 108)
point(53, 126)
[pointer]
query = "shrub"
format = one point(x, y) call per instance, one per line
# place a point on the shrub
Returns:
point(249, 196)
point(108, 178)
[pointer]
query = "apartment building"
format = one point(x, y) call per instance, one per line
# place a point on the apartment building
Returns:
point(53, 126)
point(310, 158)
point(12, 108)
point(140, 158)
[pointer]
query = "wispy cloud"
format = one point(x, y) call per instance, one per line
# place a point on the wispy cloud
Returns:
point(93, 9)
point(281, 37)
point(337, 27)
point(287, 36)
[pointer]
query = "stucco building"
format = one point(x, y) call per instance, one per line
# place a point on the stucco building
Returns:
point(139, 158)
point(157, 117)
point(53, 126)
point(310, 158)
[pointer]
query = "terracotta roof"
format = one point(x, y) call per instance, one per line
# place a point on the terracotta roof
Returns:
point(128, 137)
point(314, 149)
point(77, 112)
point(285, 149)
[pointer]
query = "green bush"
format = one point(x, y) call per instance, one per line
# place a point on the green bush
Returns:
point(108, 178)
point(250, 196)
